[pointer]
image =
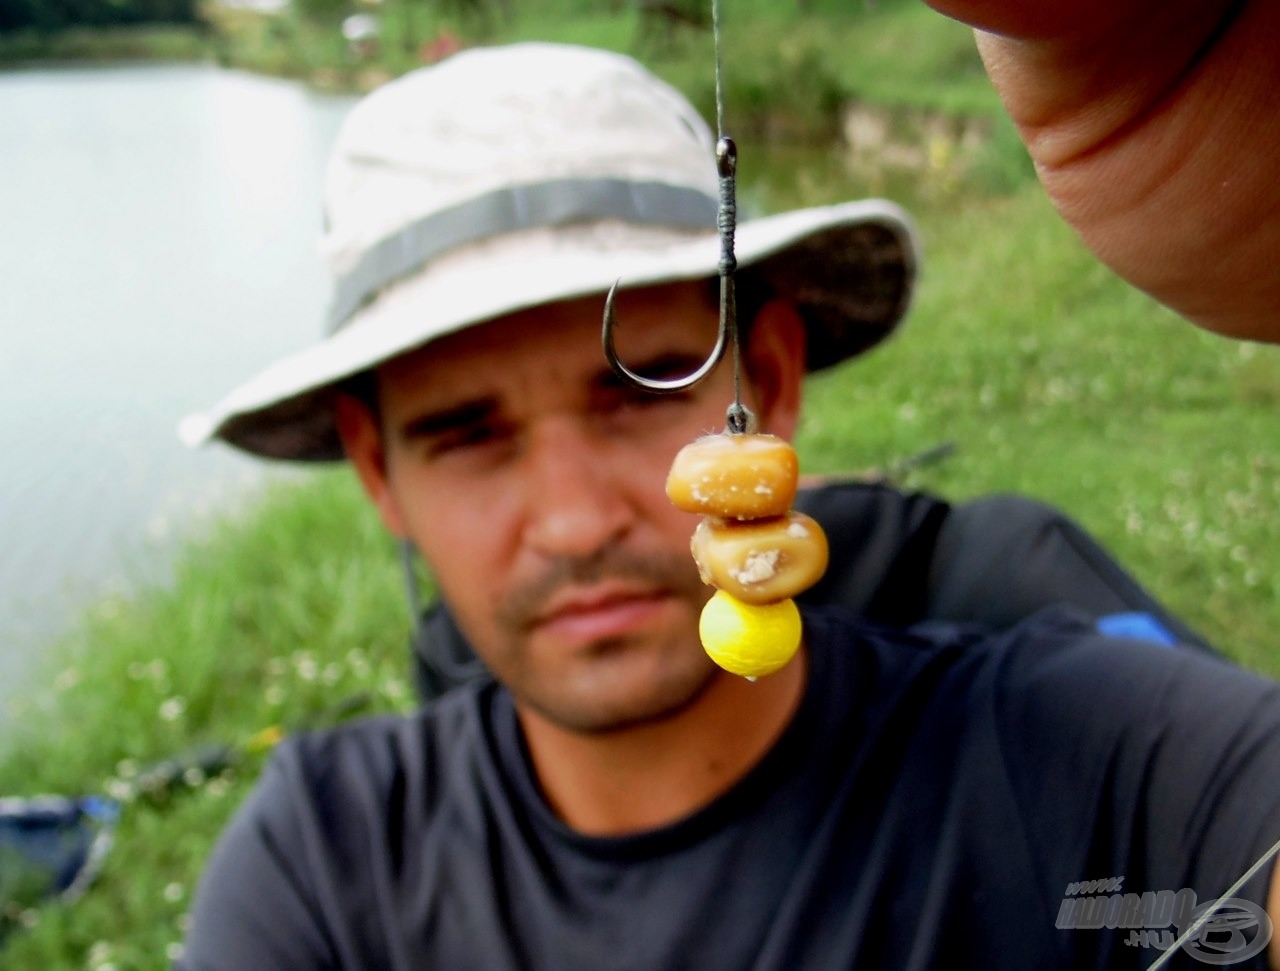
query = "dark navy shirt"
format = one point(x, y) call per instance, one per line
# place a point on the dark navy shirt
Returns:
point(942, 799)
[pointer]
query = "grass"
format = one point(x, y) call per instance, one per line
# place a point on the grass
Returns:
point(242, 640)
point(1055, 379)
point(1052, 377)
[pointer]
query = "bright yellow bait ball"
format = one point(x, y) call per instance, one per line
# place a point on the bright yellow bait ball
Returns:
point(747, 639)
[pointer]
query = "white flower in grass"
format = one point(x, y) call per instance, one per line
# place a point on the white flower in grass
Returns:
point(274, 694)
point(305, 664)
point(331, 673)
point(174, 892)
point(174, 950)
point(171, 709)
point(119, 790)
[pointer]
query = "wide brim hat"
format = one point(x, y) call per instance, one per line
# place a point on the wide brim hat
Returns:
point(510, 177)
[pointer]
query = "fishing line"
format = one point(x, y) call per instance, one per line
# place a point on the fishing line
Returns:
point(738, 417)
point(1213, 908)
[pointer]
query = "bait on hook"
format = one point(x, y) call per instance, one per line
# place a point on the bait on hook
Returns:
point(751, 546)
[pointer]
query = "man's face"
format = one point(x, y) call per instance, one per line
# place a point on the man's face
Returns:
point(533, 481)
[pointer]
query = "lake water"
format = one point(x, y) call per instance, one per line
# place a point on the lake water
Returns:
point(158, 230)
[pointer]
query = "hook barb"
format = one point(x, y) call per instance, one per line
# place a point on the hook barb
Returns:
point(657, 385)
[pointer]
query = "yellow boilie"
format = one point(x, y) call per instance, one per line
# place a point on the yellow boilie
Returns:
point(747, 639)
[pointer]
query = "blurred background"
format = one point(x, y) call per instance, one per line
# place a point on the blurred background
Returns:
point(160, 171)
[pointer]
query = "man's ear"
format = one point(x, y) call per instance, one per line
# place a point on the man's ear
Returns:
point(361, 437)
point(774, 361)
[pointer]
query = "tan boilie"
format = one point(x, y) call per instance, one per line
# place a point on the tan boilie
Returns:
point(761, 561)
point(735, 476)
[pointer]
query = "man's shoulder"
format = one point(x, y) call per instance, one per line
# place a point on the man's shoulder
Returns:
point(1054, 665)
point(1061, 650)
point(1056, 695)
point(383, 750)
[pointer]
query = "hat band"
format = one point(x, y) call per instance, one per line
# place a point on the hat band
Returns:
point(510, 210)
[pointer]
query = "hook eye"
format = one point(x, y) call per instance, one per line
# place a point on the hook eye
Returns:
point(657, 385)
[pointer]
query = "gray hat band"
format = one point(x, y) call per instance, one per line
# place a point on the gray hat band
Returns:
point(508, 210)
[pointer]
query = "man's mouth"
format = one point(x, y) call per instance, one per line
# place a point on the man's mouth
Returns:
point(605, 612)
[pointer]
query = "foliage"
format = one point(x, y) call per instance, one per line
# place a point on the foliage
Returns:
point(54, 15)
point(326, 12)
point(790, 69)
point(154, 42)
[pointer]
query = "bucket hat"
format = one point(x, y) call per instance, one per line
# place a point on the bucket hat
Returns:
point(508, 177)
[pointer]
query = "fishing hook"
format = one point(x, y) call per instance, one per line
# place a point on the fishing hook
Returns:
point(657, 385)
point(726, 221)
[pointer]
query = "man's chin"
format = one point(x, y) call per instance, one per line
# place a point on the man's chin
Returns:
point(617, 697)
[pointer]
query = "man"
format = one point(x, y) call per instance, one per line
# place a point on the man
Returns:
point(896, 798)
point(1153, 126)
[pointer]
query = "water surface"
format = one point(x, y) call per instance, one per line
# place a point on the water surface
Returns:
point(157, 246)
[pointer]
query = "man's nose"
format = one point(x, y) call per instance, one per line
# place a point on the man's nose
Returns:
point(574, 505)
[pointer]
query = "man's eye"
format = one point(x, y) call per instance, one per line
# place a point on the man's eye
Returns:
point(639, 398)
point(470, 438)
point(635, 406)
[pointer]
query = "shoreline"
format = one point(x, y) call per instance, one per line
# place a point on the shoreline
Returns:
point(793, 88)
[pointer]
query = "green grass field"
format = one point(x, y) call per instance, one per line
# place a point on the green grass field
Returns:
point(1052, 378)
